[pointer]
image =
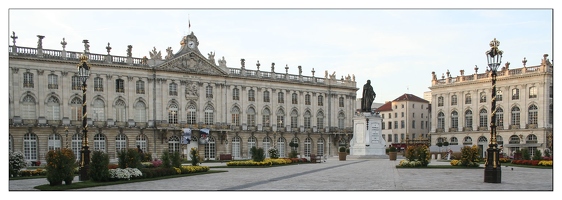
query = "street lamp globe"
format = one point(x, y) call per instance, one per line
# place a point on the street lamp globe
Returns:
point(494, 55)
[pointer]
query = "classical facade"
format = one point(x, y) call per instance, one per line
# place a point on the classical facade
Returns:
point(149, 101)
point(406, 117)
point(524, 114)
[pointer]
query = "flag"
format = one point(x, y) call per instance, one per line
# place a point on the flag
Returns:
point(204, 133)
point(186, 136)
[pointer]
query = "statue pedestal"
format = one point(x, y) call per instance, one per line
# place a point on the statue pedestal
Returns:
point(367, 138)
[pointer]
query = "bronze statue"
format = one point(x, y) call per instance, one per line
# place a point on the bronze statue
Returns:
point(368, 97)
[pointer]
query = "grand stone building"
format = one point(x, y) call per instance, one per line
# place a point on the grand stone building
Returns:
point(149, 101)
point(461, 108)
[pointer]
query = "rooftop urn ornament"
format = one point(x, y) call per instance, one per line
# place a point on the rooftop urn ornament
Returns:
point(312, 72)
point(108, 48)
point(14, 37)
point(476, 69)
point(40, 41)
point(63, 43)
point(130, 51)
point(524, 61)
point(286, 68)
point(86, 46)
point(243, 63)
point(273, 67)
point(300, 70)
point(258, 65)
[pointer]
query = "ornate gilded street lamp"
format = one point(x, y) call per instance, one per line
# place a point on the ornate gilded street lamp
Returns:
point(492, 170)
point(84, 74)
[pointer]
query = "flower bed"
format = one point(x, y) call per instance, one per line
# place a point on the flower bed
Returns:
point(267, 162)
point(35, 172)
point(528, 162)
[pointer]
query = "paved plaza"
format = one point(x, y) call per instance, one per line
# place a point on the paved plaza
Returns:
point(354, 174)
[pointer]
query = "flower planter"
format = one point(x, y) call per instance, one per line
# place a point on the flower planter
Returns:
point(342, 155)
point(392, 155)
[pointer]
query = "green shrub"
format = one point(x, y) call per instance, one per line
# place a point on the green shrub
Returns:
point(60, 166)
point(419, 154)
point(392, 149)
point(293, 154)
point(166, 159)
point(176, 159)
point(470, 156)
point(17, 162)
point(99, 170)
point(342, 149)
point(525, 154)
point(194, 155)
point(257, 154)
point(538, 155)
point(129, 158)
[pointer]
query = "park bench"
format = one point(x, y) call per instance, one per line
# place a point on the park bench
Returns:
point(225, 157)
point(315, 159)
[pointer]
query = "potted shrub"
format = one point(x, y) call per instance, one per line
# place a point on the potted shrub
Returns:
point(342, 153)
point(392, 153)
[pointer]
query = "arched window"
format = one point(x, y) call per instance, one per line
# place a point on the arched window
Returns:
point(266, 117)
point(454, 119)
point(341, 120)
point(307, 147)
point(191, 114)
point(440, 120)
point(531, 138)
point(320, 147)
point(454, 141)
point(174, 144)
point(294, 119)
point(440, 101)
point(142, 141)
point(173, 113)
point(55, 142)
point(467, 140)
point(483, 118)
point(53, 108)
point(251, 143)
point(210, 149)
point(514, 139)
point(30, 147)
point(251, 114)
point(209, 115)
point(28, 107)
point(533, 114)
point(320, 120)
point(98, 110)
point(307, 117)
point(499, 117)
point(140, 112)
point(120, 111)
point(120, 144)
point(515, 116)
point(266, 145)
point(236, 148)
point(281, 147)
point(99, 143)
point(453, 100)
point(468, 119)
point(76, 108)
point(76, 145)
point(235, 116)
point(482, 140)
point(295, 141)
point(467, 99)
point(280, 119)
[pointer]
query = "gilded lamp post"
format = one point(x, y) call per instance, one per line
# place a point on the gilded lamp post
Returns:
point(83, 74)
point(492, 170)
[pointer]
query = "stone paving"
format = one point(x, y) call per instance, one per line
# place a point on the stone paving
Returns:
point(354, 174)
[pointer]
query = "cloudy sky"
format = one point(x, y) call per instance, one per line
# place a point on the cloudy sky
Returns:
point(397, 49)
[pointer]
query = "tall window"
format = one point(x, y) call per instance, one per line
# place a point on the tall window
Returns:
point(499, 95)
point(142, 141)
point(280, 97)
point(173, 89)
point(499, 117)
point(341, 120)
point(320, 120)
point(98, 84)
point(236, 148)
point(235, 116)
point(120, 85)
point(251, 143)
point(191, 114)
point(441, 120)
point(210, 149)
point(120, 144)
point(76, 145)
point(307, 147)
point(99, 142)
point(402, 124)
point(468, 119)
point(467, 99)
point(53, 108)
point(533, 113)
point(413, 123)
point(53, 81)
point(266, 145)
point(173, 113)
point(251, 95)
point(454, 119)
point(514, 94)
point(307, 99)
point(320, 147)
point(532, 92)
point(209, 92)
point(395, 124)
point(174, 144)
point(483, 118)
point(266, 96)
point(266, 116)
point(281, 147)
point(28, 80)
point(140, 87)
point(515, 115)
point(294, 116)
point(140, 112)
point(98, 110)
point(120, 111)
point(454, 100)
point(209, 115)
point(235, 94)
point(294, 98)
point(320, 100)
point(76, 83)
point(296, 141)
point(251, 117)
point(76, 109)
point(307, 117)
point(550, 114)
point(482, 97)
point(30, 147)
point(280, 119)
point(55, 142)
point(440, 101)
point(340, 102)
point(28, 107)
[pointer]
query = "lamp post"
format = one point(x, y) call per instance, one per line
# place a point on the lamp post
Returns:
point(492, 170)
point(84, 73)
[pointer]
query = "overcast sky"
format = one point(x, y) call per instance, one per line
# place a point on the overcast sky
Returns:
point(397, 49)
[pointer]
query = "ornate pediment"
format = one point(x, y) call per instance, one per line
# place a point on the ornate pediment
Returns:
point(192, 63)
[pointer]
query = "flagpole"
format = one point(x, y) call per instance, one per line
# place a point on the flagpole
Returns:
point(189, 22)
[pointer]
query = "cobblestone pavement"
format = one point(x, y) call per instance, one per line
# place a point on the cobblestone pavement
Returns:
point(354, 174)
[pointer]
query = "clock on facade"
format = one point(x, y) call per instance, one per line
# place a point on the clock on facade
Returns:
point(191, 44)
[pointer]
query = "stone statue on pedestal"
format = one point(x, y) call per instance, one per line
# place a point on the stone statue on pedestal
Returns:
point(368, 97)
